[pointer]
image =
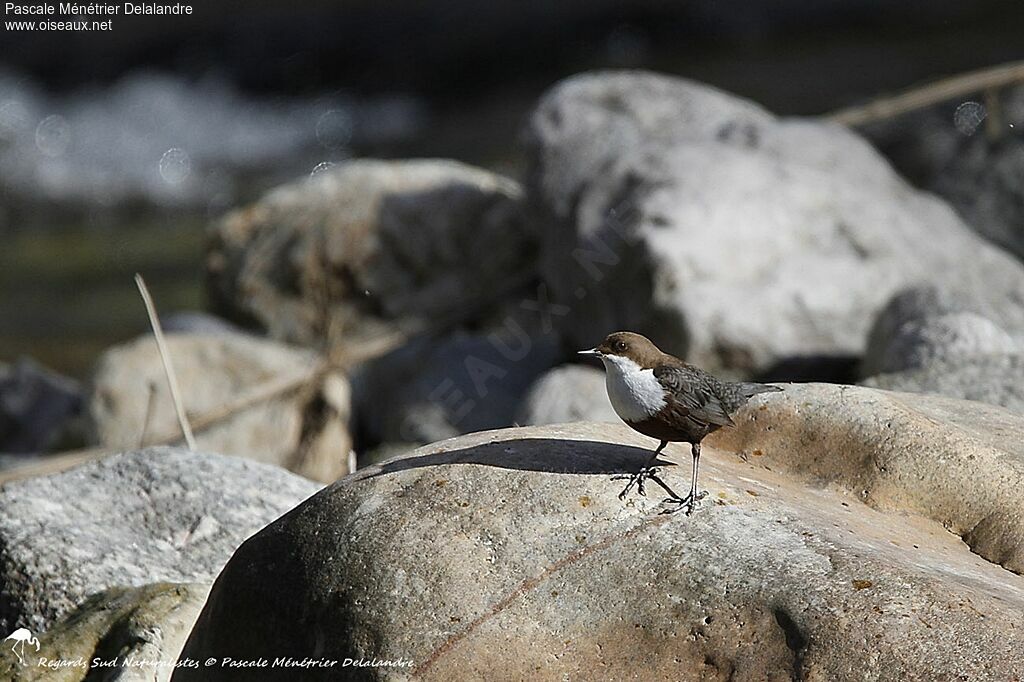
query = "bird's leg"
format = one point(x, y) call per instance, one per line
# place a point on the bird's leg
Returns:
point(637, 479)
point(689, 503)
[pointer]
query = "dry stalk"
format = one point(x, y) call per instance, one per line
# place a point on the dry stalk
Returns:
point(165, 356)
point(985, 80)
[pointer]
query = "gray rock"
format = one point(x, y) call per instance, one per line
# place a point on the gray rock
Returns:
point(951, 150)
point(921, 324)
point(942, 337)
point(918, 303)
point(368, 247)
point(161, 514)
point(135, 633)
point(728, 235)
point(997, 379)
point(436, 388)
point(773, 578)
point(287, 410)
point(571, 393)
point(36, 407)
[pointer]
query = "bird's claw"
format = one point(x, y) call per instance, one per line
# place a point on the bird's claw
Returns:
point(687, 504)
point(637, 480)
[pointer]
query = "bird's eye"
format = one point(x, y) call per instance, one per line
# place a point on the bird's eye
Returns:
point(620, 346)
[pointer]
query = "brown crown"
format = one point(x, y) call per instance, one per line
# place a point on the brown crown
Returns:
point(637, 348)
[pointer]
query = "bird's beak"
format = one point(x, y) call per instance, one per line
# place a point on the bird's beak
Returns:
point(593, 351)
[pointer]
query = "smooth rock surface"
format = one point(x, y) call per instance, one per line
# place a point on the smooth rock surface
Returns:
point(297, 417)
point(366, 246)
point(136, 633)
point(730, 236)
point(570, 393)
point(996, 378)
point(957, 462)
point(160, 514)
point(507, 555)
point(436, 388)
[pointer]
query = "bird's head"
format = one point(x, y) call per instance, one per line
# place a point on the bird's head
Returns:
point(628, 345)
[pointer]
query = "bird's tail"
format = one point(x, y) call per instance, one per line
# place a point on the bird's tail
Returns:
point(750, 388)
point(740, 392)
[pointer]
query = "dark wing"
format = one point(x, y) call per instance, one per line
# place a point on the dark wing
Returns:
point(692, 396)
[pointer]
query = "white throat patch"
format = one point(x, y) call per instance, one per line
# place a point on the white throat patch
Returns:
point(634, 392)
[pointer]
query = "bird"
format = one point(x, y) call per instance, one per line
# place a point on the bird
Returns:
point(665, 398)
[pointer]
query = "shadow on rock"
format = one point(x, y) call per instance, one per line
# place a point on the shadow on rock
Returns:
point(548, 455)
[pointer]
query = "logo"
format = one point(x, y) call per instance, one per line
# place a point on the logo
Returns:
point(21, 636)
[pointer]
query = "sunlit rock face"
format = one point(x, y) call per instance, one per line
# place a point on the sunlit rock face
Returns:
point(436, 556)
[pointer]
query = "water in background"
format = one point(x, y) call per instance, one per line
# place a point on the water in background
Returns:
point(102, 182)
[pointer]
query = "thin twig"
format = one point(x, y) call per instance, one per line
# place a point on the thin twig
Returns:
point(993, 114)
point(954, 87)
point(165, 356)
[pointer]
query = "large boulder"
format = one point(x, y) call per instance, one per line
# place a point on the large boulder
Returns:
point(438, 387)
point(246, 396)
point(772, 578)
point(969, 154)
point(367, 247)
point(122, 634)
point(570, 393)
point(728, 235)
point(161, 514)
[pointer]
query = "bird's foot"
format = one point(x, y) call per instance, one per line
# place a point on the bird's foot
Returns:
point(637, 480)
point(686, 504)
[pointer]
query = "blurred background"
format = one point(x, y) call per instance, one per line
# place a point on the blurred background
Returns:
point(118, 148)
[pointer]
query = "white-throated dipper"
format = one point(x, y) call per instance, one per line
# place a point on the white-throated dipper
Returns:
point(663, 397)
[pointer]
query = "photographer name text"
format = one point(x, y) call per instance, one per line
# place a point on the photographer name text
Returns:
point(74, 16)
point(92, 9)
